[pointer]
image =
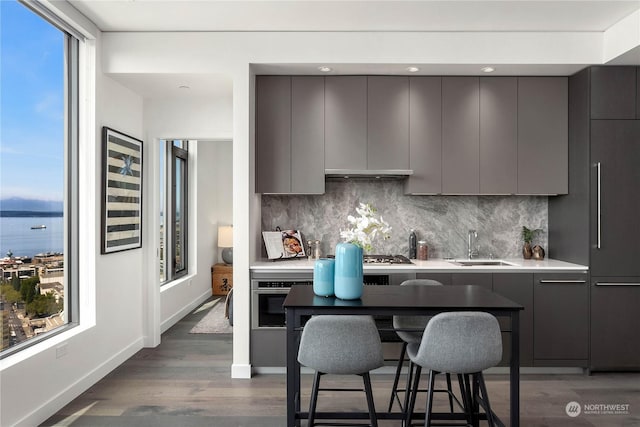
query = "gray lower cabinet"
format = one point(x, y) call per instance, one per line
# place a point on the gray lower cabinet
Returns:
point(425, 135)
point(615, 318)
point(479, 279)
point(289, 135)
point(268, 347)
point(498, 135)
point(543, 134)
point(517, 287)
point(460, 136)
point(561, 319)
point(387, 122)
point(345, 122)
point(444, 278)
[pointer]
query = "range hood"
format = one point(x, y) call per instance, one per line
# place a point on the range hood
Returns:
point(368, 173)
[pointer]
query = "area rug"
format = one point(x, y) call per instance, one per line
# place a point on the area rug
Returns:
point(214, 321)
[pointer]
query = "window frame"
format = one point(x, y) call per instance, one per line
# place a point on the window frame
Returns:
point(171, 151)
point(71, 126)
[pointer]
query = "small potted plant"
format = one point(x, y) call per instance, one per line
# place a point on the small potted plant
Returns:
point(527, 236)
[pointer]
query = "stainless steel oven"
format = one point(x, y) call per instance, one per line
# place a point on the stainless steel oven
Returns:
point(268, 295)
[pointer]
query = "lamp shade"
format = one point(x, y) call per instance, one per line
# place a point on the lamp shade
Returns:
point(225, 236)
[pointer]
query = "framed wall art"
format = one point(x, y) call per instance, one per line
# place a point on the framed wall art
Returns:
point(121, 192)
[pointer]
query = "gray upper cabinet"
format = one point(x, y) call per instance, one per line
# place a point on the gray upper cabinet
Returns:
point(613, 93)
point(307, 135)
point(543, 135)
point(289, 135)
point(346, 122)
point(387, 122)
point(498, 135)
point(273, 134)
point(460, 136)
point(425, 135)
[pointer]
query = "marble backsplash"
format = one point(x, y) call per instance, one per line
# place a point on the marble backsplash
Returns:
point(443, 221)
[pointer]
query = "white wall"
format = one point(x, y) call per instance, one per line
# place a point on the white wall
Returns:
point(209, 121)
point(110, 295)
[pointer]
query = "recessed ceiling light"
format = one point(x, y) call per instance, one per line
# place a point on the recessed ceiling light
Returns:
point(324, 69)
point(488, 69)
point(184, 87)
point(413, 69)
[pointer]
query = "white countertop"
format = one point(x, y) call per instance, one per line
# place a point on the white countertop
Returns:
point(432, 266)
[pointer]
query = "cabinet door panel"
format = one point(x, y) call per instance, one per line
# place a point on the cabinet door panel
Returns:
point(307, 135)
point(425, 135)
point(613, 92)
point(543, 135)
point(498, 135)
point(517, 287)
point(615, 340)
point(346, 122)
point(273, 134)
point(479, 279)
point(460, 137)
point(387, 122)
point(615, 146)
point(561, 317)
point(444, 278)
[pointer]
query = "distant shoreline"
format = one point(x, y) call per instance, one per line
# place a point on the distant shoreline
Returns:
point(29, 214)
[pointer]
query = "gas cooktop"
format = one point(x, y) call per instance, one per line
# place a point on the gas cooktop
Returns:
point(386, 259)
point(383, 259)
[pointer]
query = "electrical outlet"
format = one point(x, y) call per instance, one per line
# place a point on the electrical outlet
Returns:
point(61, 350)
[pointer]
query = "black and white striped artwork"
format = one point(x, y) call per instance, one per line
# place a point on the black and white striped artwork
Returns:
point(122, 192)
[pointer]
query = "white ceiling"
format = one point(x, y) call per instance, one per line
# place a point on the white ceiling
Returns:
point(343, 15)
point(537, 16)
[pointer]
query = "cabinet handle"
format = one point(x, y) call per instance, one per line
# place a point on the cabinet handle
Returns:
point(598, 245)
point(563, 281)
point(616, 284)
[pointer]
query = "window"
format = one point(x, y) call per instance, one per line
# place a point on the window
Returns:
point(174, 213)
point(38, 175)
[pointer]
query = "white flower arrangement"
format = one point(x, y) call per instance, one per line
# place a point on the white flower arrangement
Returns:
point(366, 228)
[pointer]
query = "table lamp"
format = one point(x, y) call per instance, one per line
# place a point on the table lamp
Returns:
point(225, 241)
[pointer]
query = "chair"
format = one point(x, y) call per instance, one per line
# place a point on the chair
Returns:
point(401, 324)
point(334, 344)
point(463, 343)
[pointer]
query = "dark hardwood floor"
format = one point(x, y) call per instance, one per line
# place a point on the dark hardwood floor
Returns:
point(186, 382)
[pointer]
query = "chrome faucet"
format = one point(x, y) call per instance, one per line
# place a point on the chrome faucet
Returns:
point(472, 244)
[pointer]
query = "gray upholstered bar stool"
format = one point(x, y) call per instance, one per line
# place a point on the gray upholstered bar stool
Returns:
point(341, 345)
point(402, 325)
point(463, 343)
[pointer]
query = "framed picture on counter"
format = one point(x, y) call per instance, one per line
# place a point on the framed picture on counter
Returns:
point(283, 244)
point(121, 192)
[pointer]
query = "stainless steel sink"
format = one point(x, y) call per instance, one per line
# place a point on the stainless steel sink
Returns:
point(479, 262)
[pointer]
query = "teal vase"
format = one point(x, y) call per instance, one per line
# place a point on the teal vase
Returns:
point(348, 281)
point(323, 273)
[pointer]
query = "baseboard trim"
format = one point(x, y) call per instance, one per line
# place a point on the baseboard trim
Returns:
point(53, 405)
point(176, 317)
point(241, 371)
point(391, 370)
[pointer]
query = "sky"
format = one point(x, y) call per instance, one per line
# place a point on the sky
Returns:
point(31, 105)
